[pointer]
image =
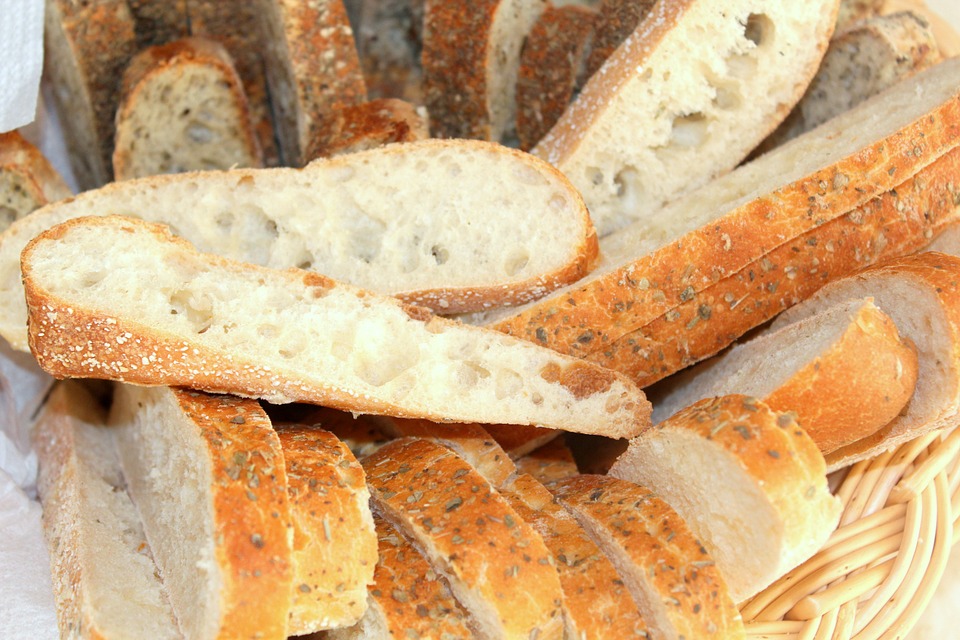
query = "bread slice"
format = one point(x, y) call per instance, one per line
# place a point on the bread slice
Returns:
point(98, 552)
point(748, 481)
point(369, 125)
point(312, 68)
point(617, 19)
point(361, 434)
point(215, 512)
point(471, 58)
point(389, 35)
point(553, 461)
point(27, 180)
point(407, 599)
point(290, 336)
point(708, 78)
point(86, 47)
point(334, 542)
point(496, 565)
point(945, 31)
point(844, 373)
point(948, 240)
point(921, 293)
point(674, 581)
point(853, 12)
point(393, 220)
point(551, 62)
point(520, 441)
point(158, 23)
point(183, 109)
point(899, 222)
point(662, 262)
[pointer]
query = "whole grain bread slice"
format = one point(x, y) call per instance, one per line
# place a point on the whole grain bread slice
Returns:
point(214, 324)
point(27, 180)
point(183, 109)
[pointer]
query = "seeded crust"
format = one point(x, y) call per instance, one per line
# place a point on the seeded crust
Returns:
point(496, 564)
point(361, 434)
point(623, 296)
point(159, 22)
point(519, 442)
point(550, 63)
point(897, 223)
point(616, 20)
point(27, 180)
point(312, 67)
point(553, 461)
point(768, 453)
point(368, 125)
point(334, 543)
point(676, 584)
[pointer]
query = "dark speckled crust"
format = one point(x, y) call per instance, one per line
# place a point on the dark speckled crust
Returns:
point(471, 535)
point(656, 545)
point(366, 126)
point(616, 21)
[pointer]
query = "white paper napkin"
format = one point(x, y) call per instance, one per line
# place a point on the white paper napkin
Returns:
point(21, 61)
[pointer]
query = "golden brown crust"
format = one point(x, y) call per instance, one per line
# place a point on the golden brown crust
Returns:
point(367, 125)
point(657, 550)
point(492, 558)
point(361, 434)
point(16, 154)
point(553, 461)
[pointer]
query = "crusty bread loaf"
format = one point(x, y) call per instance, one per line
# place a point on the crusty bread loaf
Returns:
point(27, 180)
point(616, 20)
point(553, 461)
point(215, 510)
point(658, 264)
point(368, 125)
point(921, 293)
point(159, 22)
point(709, 79)
point(844, 373)
point(214, 324)
point(389, 220)
point(673, 579)
point(471, 57)
point(98, 554)
point(496, 565)
point(389, 35)
point(183, 108)
point(748, 481)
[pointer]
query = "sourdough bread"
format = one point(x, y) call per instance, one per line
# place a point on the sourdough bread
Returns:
point(183, 109)
point(844, 373)
point(215, 512)
point(708, 78)
point(748, 481)
point(290, 336)
point(27, 180)
point(368, 125)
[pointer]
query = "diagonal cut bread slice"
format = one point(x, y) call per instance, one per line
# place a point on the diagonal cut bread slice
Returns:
point(844, 373)
point(553, 461)
point(496, 565)
point(424, 221)
point(27, 180)
point(216, 512)
point(122, 299)
point(674, 581)
point(748, 481)
point(98, 552)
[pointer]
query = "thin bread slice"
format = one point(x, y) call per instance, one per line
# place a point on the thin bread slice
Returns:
point(27, 180)
point(471, 58)
point(98, 552)
point(844, 373)
point(216, 513)
point(496, 565)
point(334, 542)
point(553, 461)
point(361, 434)
point(708, 78)
point(674, 581)
point(424, 221)
point(183, 109)
point(368, 125)
point(748, 481)
point(290, 336)
point(407, 599)
point(921, 293)
point(617, 19)
point(519, 442)
point(658, 264)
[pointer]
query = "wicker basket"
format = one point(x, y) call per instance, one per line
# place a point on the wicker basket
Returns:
point(878, 571)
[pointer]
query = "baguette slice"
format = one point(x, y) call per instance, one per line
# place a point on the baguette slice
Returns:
point(855, 11)
point(138, 305)
point(27, 180)
point(617, 19)
point(215, 511)
point(98, 552)
point(334, 542)
point(748, 481)
point(844, 373)
point(519, 442)
point(708, 78)
point(660, 263)
point(368, 125)
point(361, 434)
point(553, 461)
point(674, 581)
point(496, 565)
point(424, 221)
point(183, 109)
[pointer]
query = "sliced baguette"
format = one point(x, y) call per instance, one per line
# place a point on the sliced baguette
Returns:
point(519, 442)
point(708, 78)
point(368, 125)
point(496, 565)
point(748, 481)
point(617, 19)
point(216, 513)
point(183, 108)
point(553, 461)
point(675, 583)
point(290, 336)
point(658, 264)
point(27, 180)
point(844, 373)
point(98, 552)
point(334, 542)
point(361, 434)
